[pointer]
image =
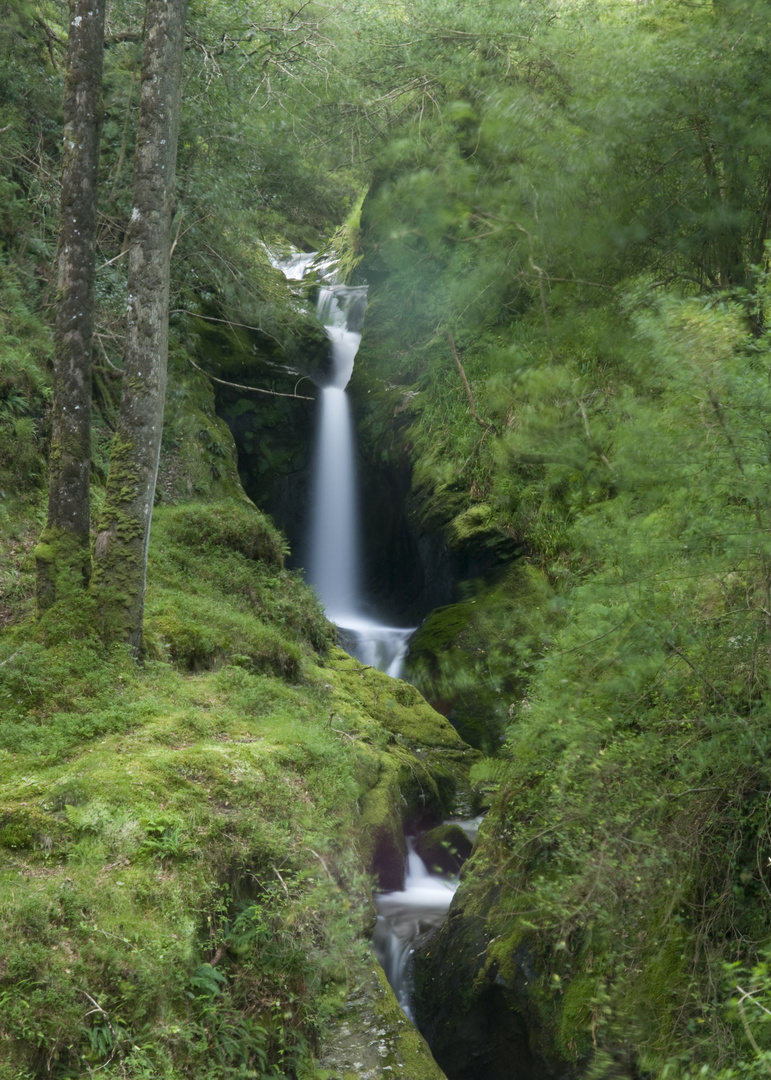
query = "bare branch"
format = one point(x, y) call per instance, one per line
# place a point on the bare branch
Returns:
point(469, 395)
point(251, 389)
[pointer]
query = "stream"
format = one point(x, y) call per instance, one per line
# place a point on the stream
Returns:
point(406, 915)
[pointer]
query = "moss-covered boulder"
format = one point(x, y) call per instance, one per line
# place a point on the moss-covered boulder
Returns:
point(416, 762)
point(198, 455)
point(374, 1039)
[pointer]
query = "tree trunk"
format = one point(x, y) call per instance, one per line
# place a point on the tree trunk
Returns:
point(120, 556)
point(63, 556)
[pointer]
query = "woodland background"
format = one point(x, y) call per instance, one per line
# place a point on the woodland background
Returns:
point(568, 205)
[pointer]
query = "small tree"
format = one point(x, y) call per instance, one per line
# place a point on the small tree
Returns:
point(124, 530)
point(63, 556)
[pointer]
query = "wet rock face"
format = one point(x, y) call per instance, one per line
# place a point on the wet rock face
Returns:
point(479, 1024)
point(444, 849)
point(275, 447)
point(488, 1042)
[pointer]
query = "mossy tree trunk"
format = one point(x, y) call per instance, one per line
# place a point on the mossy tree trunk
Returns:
point(63, 556)
point(120, 556)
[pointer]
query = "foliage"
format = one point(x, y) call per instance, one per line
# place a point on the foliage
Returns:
point(582, 219)
point(180, 892)
point(573, 198)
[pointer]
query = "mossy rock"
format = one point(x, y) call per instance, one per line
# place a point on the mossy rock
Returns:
point(373, 1038)
point(237, 527)
point(292, 341)
point(417, 766)
point(481, 1012)
point(382, 844)
point(22, 828)
point(198, 455)
point(474, 659)
point(444, 849)
point(399, 707)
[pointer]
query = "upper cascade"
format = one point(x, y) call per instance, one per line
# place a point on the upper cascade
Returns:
point(341, 310)
point(334, 560)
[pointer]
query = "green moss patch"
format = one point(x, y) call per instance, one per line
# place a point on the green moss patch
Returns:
point(185, 843)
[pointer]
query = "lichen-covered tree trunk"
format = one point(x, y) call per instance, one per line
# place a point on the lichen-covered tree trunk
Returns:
point(63, 556)
point(120, 555)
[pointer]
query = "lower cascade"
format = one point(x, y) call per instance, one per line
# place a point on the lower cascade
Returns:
point(403, 917)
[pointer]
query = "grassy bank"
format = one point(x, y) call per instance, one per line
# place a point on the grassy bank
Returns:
point(184, 843)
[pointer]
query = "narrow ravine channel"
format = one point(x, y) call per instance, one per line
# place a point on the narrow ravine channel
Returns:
point(420, 907)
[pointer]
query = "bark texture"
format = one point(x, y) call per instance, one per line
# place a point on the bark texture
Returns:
point(63, 556)
point(120, 556)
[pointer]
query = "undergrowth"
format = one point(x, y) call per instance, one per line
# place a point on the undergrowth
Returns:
point(178, 877)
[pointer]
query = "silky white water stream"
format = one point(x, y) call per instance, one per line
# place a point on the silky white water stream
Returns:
point(334, 562)
point(405, 916)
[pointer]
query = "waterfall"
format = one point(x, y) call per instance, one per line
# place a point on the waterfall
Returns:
point(405, 916)
point(334, 561)
point(334, 565)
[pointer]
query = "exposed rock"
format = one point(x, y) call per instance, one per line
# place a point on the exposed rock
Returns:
point(374, 1040)
point(444, 849)
point(413, 763)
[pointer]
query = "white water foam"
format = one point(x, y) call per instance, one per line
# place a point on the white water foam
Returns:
point(295, 266)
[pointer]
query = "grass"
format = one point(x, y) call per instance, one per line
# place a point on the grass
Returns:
point(181, 890)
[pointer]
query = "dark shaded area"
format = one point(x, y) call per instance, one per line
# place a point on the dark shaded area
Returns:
point(274, 439)
point(388, 860)
point(479, 1026)
point(444, 849)
point(489, 1042)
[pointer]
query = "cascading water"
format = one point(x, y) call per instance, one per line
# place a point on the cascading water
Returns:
point(405, 916)
point(334, 568)
point(334, 563)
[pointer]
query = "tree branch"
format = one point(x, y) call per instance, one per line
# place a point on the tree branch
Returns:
point(123, 35)
point(469, 395)
point(252, 389)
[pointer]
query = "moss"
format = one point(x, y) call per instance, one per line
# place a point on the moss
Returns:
point(441, 784)
point(409, 1047)
point(238, 527)
point(193, 647)
point(198, 457)
point(472, 525)
point(474, 659)
point(440, 627)
point(579, 1012)
point(662, 982)
point(160, 832)
point(398, 706)
point(62, 564)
